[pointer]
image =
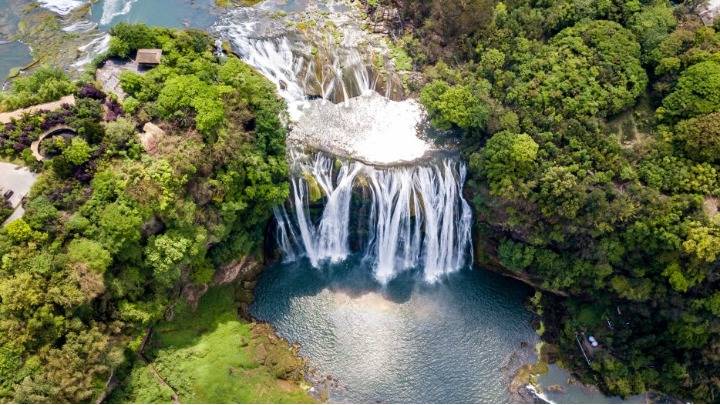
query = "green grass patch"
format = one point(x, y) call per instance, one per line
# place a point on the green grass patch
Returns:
point(403, 62)
point(211, 356)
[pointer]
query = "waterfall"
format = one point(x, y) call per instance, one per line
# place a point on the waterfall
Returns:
point(80, 26)
point(410, 216)
point(417, 216)
point(89, 51)
point(325, 70)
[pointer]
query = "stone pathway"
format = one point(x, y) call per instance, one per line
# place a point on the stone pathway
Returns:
point(109, 75)
point(35, 146)
point(7, 117)
point(19, 180)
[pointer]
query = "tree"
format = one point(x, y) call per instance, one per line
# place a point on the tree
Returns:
point(88, 253)
point(119, 133)
point(78, 152)
point(10, 362)
point(164, 255)
point(18, 230)
point(700, 137)
point(458, 105)
point(703, 242)
point(119, 227)
point(73, 371)
point(601, 73)
point(127, 38)
point(183, 93)
point(506, 160)
point(140, 88)
point(696, 93)
point(450, 24)
point(560, 194)
point(40, 213)
point(560, 14)
point(651, 26)
point(44, 84)
point(515, 256)
point(87, 120)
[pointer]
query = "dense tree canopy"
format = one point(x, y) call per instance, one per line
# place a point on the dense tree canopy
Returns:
point(594, 174)
point(700, 137)
point(113, 231)
point(590, 69)
point(697, 92)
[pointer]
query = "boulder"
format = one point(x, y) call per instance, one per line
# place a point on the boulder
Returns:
point(151, 136)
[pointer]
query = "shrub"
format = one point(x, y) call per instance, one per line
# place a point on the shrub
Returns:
point(43, 85)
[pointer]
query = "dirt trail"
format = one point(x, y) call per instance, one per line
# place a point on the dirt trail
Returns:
point(7, 117)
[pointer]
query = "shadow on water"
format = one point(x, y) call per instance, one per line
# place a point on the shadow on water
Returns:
point(350, 277)
point(354, 278)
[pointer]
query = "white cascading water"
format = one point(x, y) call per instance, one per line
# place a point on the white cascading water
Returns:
point(90, 50)
point(62, 7)
point(80, 26)
point(418, 216)
point(264, 45)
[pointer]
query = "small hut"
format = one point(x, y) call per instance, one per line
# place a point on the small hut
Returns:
point(148, 57)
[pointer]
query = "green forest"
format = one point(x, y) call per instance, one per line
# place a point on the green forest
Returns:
point(592, 130)
point(592, 135)
point(113, 230)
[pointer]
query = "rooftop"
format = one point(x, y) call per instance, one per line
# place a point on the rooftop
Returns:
point(149, 56)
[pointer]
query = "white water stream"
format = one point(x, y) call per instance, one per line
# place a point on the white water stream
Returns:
point(417, 217)
point(62, 7)
point(329, 85)
point(115, 8)
point(415, 213)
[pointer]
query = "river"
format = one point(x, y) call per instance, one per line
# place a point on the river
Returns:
point(376, 281)
point(12, 53)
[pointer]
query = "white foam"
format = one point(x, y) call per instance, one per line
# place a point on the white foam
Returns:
point(62, 7)
point(538, 394)
point(370, 128)
point(115, 8)
point(80, 26)
point(92, 49)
